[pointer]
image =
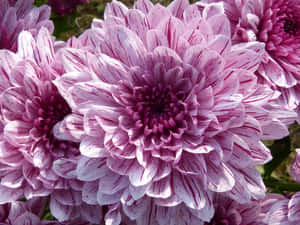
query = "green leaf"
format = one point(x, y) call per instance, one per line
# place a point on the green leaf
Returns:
point(40, 2)
point(63, 24)
point(280, 150)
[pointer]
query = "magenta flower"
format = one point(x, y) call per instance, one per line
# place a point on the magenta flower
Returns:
point(275, 23)
point(30, 107)
point(21, 15)
point(168, 108)
point(62, 7)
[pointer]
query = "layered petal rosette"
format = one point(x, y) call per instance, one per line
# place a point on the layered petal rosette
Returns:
point(275, 23)
point(32, 161)
point(21, 15)
point(168, 108)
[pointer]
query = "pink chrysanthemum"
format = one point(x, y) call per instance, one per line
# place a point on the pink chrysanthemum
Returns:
point(21, 15)
point(277, 24)
point(168, 108)
point(62, 7)
point(30, 107)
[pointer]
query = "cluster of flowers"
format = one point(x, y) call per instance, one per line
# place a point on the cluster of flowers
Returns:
point(153, 116)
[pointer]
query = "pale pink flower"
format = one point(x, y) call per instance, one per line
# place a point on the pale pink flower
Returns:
point(168, 108)
point(30, 107)
point(275, 23)
point(21, 15)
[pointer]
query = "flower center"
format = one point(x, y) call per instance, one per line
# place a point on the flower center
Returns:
point(158, 109)
point(279, 29)
point(290, 26)
point(51, 111)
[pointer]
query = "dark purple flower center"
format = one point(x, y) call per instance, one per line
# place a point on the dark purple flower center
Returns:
point(219, 222)
point(290, 26)
point(159, 110)
point(52, 110)
point(279, 28)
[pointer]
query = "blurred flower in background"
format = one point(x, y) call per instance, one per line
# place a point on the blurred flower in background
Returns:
point(63, 7)
point(21, 15)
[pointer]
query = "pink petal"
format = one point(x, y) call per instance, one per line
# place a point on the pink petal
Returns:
point(241, 57)
point(26, 45)
point(155, 38)
point(161, 188)
point(130, 50)
point(294, 207)
point(219, 177)
point(177, 7)
point(108, 199)
point(9, 194)
point(138, 175)
point(143, 5)
point(137, 22)
point(103, 64)
point(189, 190)
point(44, 52)
point(13, 101)
point(221, 44)
point(91, 213)
point(59, 211)
point(136, 209)
point(112, 183)
point(89, 192)
point(27, 218)
point(91, 169)
point(66, 81)
point(13, 179)
point(92, 147)
point(113, 216)
point(115, 8)
point(213, 9)
point(220, 25)
point(158, 14)
point(67, 197)
point(18, 132)
point(71, 128)
point(65, 168)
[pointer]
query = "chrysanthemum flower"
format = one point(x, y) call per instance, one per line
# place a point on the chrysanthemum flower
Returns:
point(21, 15)
point(30, 107)
point(168, 108)
point(277, 24)
point(62, 7)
